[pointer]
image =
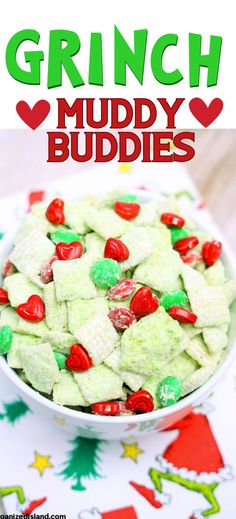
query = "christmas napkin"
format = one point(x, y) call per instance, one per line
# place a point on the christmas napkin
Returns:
point(187, 472)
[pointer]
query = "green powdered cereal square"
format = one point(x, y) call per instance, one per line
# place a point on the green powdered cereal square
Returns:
point(160, 271)
point(72, 279)
point(75, 214)
point(31, 254)
point(139, 245)
point(198, 351)
point(99, 384)
point(60, 341)
point(215, 275)
point(20, 288)
point(196, 379)
point(181, 367)
point(160, 238)
point(55, 312)
point(215, 338)
point(19, 339)
point(66, 391)
point(95, 244)
point(147, 214)
point(40, 366)
point(32, 327)
point(30, 224)
point(106, 223)
point(151, 342)
point(81, 310)
point(132, 380)
point(207, 302)
point(230, 291)
point(98, 336)
point(9, 316)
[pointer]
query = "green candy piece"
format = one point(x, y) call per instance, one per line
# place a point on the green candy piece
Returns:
point(105, 273)
point(64, 236)
point(60, 359)
point(127, 198)
point(6, 336)
point(177, 298)
point(169, 391)
point(177, 233)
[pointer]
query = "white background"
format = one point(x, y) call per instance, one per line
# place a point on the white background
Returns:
point(181, 17)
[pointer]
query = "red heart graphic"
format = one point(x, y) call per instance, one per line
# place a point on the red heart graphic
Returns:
point(79, 359)
point(33, 309)
point(35, 116)
point(203, 113)
point(144, 302)
point(69, 251)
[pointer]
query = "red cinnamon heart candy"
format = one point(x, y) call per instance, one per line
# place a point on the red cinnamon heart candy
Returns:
point(141, 401)
point(3, 297)
point(186, 244)
point(55, 211)
point(144, 302)
point(172, 219)
point(79, 359)
point(116, 250)
point(127, 211)
point(211, 251)
point(182, 315)
point(108, 408)
point(33, 309)
point(69, 251)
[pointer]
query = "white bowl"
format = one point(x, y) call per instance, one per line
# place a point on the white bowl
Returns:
point(93, 426)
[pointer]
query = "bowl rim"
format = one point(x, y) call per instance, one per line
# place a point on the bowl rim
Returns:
point(158, 414)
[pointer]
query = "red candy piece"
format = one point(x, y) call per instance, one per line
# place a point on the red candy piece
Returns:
point(211, 251)
point(122, 290)
point(144, 302)
point(108, 408)
point(127, 211)
point(55, 211)
point(186, 244)
point(172, 219)
point(47, 272)
point(182, 315)
point(8, 268)
point(116, 250)
point(3, 297)
point(121, 318)
point(35, 196)
point(33, 309)
point(192, 258)
point(141, 401)
point(79, 359)
point(69, 251)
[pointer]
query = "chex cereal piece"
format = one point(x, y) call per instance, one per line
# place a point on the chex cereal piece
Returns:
point(66, 391)
point(20, 288)
point(59, 341)
point(151, 343)
point(40, 366)
point(31, 254)
point(75, 214)
point(106, 223)
point(81, 310)
point(160, 238)
point(99, 384)
point(37, 329)
point(147, 214)
point(230, 291)
point(30, 224)
point(215, 275)
point(19, 339)
point(139, 246)
point(196, 379)
point(207, 302)
point(9, 316)
point(55, 312)
point(198, 351)
point(181, 367)
point(72, 279)
point(160, 271)
point(98, 336)
point(94, 244)
point(133, 380)
point(215, 338)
